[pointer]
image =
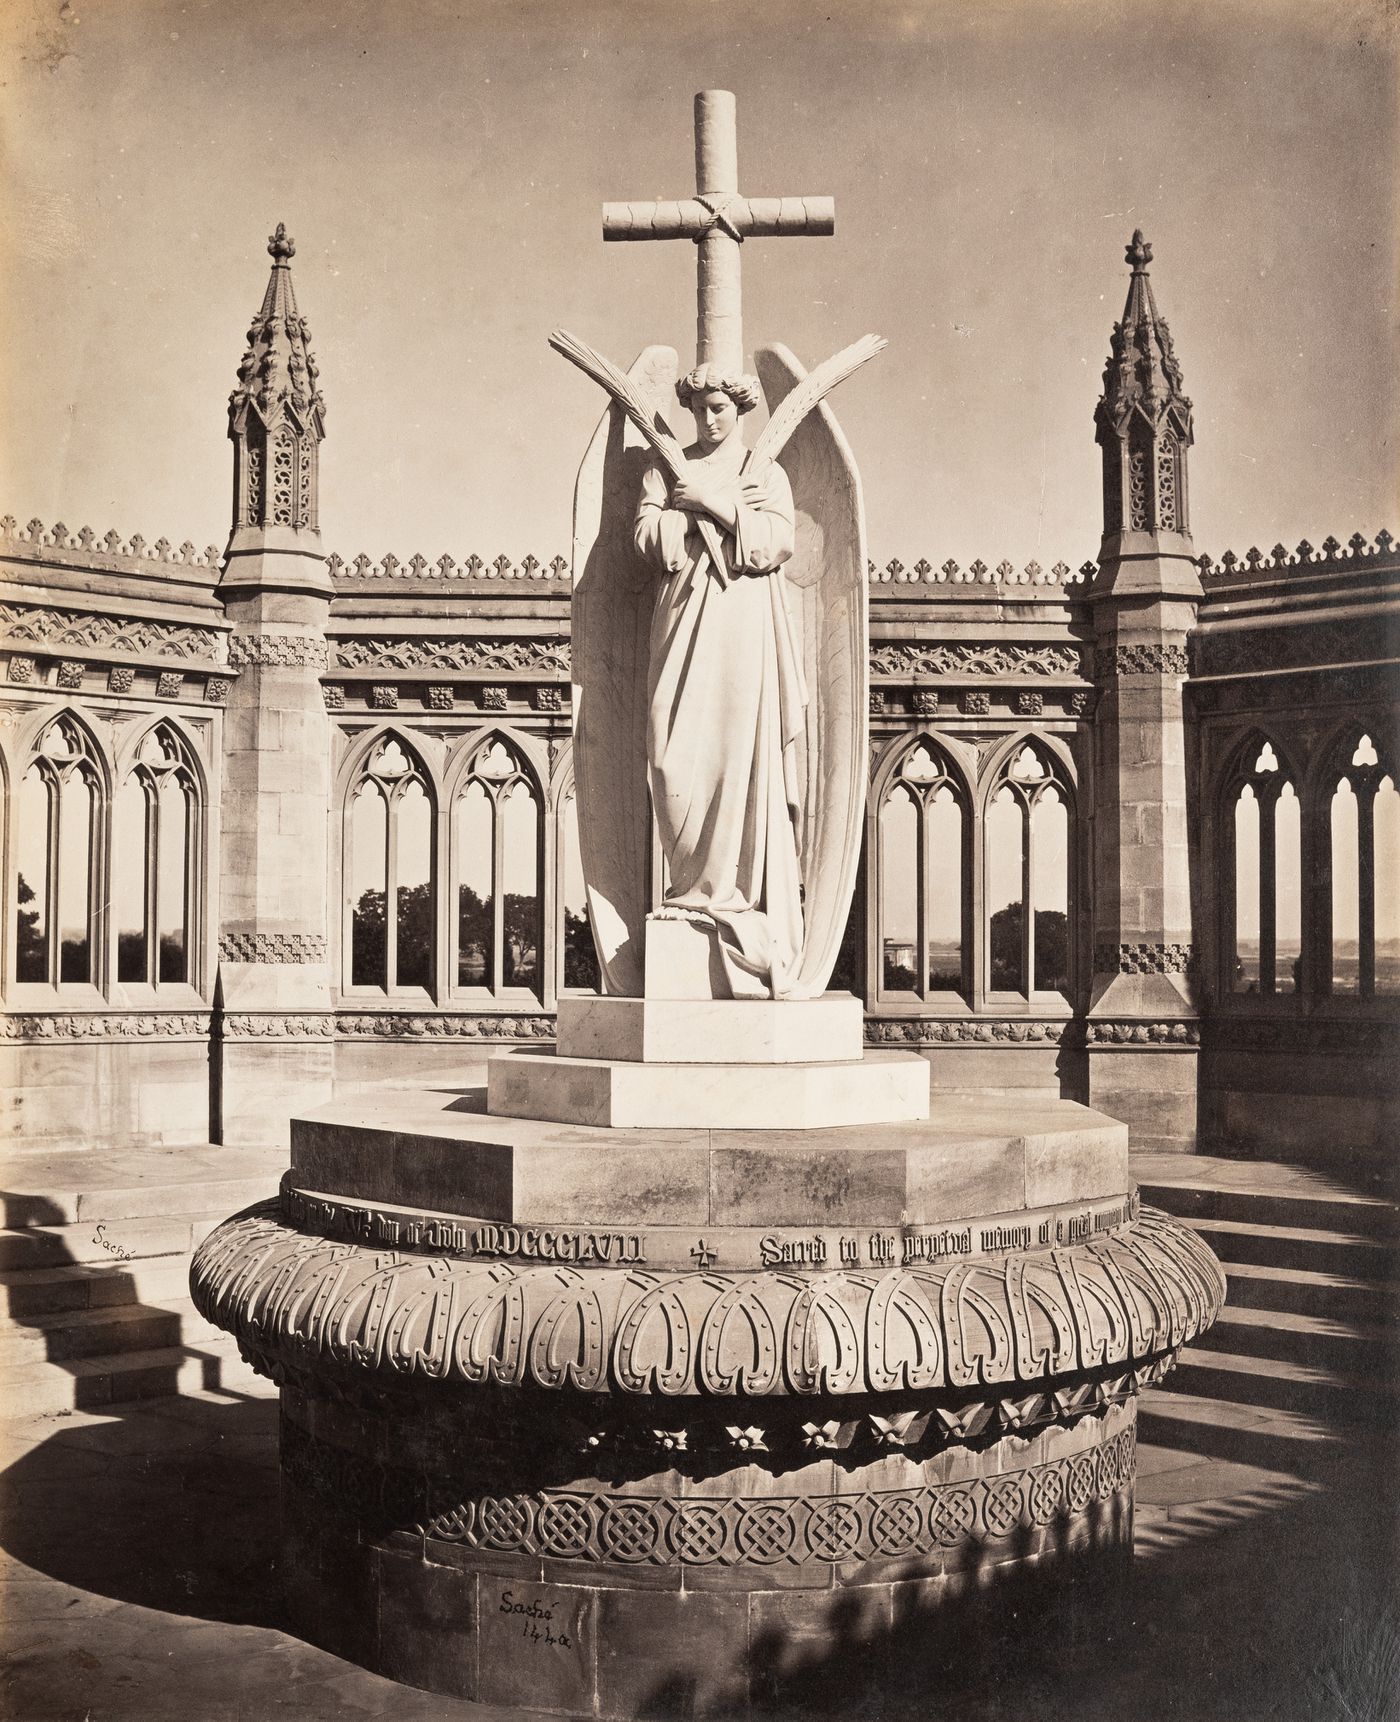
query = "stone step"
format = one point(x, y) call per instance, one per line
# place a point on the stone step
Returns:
point(67, 1186)
point(1314, 1248)
point(1331, 1394)
point(1344, 1297)
point(1335, 1211)
point(63, 1335)
point(27, 1293)
point(1244, 1434)
point(1318, 1342)
point(117, 1244)
point(87, 1384)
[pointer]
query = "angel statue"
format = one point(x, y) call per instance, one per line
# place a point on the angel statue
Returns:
point(726, 694)
point(719, 627)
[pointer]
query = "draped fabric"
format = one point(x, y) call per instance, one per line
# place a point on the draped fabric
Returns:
point(726, 702)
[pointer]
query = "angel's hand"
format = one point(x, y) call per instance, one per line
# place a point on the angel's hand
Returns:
point(691, 494)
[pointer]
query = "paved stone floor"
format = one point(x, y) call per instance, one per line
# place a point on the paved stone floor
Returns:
point(140, 1584)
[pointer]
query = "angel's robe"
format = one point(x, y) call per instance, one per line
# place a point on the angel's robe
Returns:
point(726, 699)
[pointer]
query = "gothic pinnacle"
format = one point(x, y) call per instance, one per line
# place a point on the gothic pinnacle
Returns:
point(280, 246)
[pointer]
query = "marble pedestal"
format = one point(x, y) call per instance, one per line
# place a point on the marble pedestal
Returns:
point(676, 1062)
point(637, 1423)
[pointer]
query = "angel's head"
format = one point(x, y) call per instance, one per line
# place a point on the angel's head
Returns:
point(716, 399)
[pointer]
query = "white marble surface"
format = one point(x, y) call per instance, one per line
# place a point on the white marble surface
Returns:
point(712, 1031)
point(882, 1088)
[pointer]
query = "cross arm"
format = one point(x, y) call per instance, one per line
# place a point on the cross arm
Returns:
point(748, 217)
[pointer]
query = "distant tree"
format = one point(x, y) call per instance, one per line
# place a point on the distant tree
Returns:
point(580, 958)
point(1051, 949)
point(31, 947)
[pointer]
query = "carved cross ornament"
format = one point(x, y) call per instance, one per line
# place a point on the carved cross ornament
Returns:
point(719, 219)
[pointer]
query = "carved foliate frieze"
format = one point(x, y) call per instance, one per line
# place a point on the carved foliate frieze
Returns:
point(414, 652)
point(272, 948)
point(104, 1025)
point(444, 1025)
point(55, 629)
point(1126, 1296)
point(968, 1031)
point(944, 658)
point(1299, 646)
point(1132, 1033)
point(276, 1025)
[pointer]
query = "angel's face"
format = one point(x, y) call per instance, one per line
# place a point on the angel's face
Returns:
point(715, 417)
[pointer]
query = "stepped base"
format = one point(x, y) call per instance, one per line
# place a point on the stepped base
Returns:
point(624, 1422)
point(882, 1088)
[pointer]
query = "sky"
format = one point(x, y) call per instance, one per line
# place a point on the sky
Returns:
point(442, 166)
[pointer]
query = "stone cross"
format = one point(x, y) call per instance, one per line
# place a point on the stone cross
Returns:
point(719, 220)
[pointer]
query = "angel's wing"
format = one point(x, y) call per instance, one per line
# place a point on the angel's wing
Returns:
point(828, 598)
point(611, 624)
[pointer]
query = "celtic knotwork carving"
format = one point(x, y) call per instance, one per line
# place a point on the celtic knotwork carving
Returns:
point(764, 1531)
point(1044, 1493)
point(1001, 1505)
point(504, 1522)
point(834, 1530)
point(628, 1530)
point(564, 1526)
point(896, 1523)
point(951, 1515)
point(699, 1531)
point(1079, 1482)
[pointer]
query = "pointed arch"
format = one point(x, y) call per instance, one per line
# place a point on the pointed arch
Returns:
point(1029, 866)
point(62, 803)
point(920, 915)
point(158, 842)
point(389, 866)
point(1259, 826)
point(1356, 803)
point(498, 855)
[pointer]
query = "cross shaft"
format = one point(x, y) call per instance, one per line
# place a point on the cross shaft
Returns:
point(718, 219)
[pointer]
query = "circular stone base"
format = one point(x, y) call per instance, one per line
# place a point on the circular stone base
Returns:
point(494, 1560)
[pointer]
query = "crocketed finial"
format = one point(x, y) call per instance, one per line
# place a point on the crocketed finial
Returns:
point(280, 247)
point(1139, 253)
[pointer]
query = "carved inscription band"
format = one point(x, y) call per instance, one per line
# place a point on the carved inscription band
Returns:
point(1122, 1298)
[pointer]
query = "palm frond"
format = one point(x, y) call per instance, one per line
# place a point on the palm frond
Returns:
point(815, 386)
point(622, 389)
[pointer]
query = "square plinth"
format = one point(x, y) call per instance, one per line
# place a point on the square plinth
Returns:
point(880, 1088)
point(827, 1030)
